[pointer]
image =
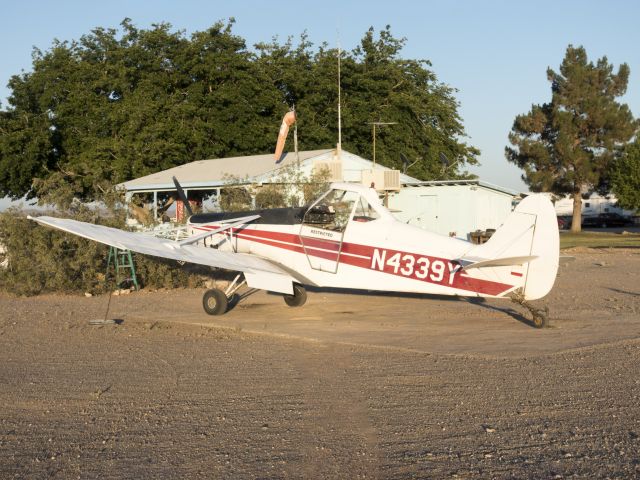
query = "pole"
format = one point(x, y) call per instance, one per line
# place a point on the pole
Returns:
point(374, 145)
point(339, 149)
point(155, 205)
point(295, 142)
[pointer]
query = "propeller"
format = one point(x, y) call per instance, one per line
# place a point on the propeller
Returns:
point(182, 196)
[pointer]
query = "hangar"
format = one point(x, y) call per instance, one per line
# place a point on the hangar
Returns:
point(209, 178)
point(455, 208)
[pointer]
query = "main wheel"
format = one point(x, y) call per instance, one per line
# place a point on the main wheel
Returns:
point(215, 302)
point(298, 298)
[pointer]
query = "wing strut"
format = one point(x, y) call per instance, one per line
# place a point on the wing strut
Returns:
point(226, 226)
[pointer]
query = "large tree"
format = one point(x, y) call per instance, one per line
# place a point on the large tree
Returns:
point(119, 104)
point(625, 177)
point(378, 85)
point(566, 146)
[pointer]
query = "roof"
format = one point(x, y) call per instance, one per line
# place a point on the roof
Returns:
point(215, 171)
point(465, 182)
point(255, 168)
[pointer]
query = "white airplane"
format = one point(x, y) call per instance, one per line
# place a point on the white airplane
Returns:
point(348, 239)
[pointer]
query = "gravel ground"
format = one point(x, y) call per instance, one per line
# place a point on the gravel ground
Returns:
point(348, 386)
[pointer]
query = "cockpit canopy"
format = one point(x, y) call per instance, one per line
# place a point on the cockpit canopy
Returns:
point(342, 203)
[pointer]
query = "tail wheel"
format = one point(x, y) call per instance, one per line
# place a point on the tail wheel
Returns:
point(298, 298)
point(539, 320)
point(215, 302)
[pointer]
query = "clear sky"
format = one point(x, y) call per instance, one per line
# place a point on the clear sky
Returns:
point(494, 52)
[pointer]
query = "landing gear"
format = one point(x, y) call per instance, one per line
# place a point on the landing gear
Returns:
point(539, 315)
point(218, 302)
point(298, 298)
point(540, 319)
point(215, 302)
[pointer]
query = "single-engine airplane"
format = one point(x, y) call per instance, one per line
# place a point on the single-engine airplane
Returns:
point(348, 239)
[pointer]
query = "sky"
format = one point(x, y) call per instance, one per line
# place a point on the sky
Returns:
point(495, 53)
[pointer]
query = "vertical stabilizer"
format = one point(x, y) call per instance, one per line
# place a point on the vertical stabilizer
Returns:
point(531, 230)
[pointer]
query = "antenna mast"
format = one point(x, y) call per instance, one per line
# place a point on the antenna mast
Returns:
point(339, 146)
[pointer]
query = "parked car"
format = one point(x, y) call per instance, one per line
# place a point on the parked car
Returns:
point(564, 222)
point(605, 220)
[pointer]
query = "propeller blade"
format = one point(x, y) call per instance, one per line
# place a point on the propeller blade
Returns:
point(182, 196)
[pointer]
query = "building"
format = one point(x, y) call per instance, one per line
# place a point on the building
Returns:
point(454, 207)
point(208, 179)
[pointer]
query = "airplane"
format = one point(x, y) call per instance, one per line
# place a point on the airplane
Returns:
point(347, 239)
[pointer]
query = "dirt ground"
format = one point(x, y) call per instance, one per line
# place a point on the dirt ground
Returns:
point(351, 385)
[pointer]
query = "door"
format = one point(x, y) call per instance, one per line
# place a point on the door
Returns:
point(323, 227)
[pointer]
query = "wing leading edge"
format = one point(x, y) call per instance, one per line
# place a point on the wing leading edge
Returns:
point(259, 272)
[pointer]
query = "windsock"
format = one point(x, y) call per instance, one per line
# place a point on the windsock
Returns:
point(288, 120)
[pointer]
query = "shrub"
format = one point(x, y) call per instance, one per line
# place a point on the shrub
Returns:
point(43, 260)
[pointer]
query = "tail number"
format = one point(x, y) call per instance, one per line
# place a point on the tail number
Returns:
point(410, 265)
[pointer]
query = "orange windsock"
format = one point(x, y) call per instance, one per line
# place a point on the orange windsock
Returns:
point(288, 120)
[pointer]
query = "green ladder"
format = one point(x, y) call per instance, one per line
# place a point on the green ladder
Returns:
point(122, 259)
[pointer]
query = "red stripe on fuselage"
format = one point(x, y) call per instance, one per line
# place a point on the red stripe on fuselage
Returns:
point(357, 255)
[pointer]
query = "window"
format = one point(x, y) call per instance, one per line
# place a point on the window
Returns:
point(364, 212)
point(332, 212)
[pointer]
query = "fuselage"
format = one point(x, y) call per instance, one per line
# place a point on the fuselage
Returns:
point(373, 254)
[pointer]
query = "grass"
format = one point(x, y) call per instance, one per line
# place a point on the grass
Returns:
point(599, 240)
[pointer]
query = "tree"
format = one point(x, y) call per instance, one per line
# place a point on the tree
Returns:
point(111, 107)
point(377, 85)
point(566, 146)
point(122, 103)
point(625, 177)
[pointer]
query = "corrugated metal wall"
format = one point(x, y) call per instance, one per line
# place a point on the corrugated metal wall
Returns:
point(458, 209)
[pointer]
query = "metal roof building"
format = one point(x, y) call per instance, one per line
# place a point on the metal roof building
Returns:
point(219, 172)
point(209, 177)
point(453, 207)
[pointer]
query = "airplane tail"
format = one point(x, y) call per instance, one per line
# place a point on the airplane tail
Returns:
point(524, 251)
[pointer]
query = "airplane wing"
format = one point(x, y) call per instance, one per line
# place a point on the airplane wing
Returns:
point(259, 272)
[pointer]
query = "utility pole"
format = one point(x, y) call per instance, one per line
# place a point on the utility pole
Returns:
point(339, 146)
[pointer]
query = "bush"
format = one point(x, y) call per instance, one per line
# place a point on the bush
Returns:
point(236, 199)
point(270, 196)
point(42, 259)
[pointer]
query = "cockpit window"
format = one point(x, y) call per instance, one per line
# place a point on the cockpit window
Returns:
point(333, 211)
point(364, 212)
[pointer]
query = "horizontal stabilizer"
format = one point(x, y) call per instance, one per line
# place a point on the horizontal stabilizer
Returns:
point(475, 262)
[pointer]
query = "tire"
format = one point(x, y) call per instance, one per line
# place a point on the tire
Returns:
point(539, 321)
point(215, 302)
point(298, 298)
